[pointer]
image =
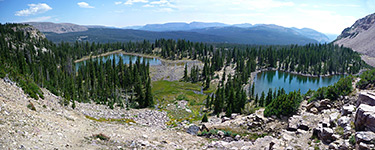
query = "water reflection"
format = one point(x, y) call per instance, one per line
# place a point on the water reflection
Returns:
point(125, 58)
point(290, 82)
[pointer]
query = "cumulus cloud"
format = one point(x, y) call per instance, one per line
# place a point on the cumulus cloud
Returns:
point(34, 9)
point(131, 2)
point(84, 5)
point(118, 3)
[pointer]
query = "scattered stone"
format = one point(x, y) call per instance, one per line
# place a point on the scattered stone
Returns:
point(193, 130)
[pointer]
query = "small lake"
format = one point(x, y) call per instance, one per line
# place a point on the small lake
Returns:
point(290, 82)
point(125, 58)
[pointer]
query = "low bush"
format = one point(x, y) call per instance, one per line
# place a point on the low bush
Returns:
point(367, 78)
point(101, 136)
point(284, 104)
point(31, 106)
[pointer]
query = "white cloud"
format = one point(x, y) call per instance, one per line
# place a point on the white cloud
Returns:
point(84, 5)
point(159, 2)
point(38, 19)
point(118, 3)
point(34, 9)
point(148, 5)
point(131, 2)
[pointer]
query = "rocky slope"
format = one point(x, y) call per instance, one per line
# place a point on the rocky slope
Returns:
point(51, 126)
point(57, 27)
point(360, 37)
point(347, 123)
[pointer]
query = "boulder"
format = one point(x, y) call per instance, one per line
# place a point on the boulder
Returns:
point(224, 119)
point(343, 121)
point(367, 137)
point(317, 106)
point(324, 134)
point(220, 133)
point(233, 116)
point(366, 98)
point(296, 122)
point(365, 118)
point(193, 130)
point(349, 109)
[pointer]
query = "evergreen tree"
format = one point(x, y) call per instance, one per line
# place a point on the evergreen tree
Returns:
point(261, 100)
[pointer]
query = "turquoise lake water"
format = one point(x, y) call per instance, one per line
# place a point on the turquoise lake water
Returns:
point(290, 82)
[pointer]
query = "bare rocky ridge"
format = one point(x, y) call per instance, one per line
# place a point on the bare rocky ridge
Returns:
point(57, 27)
point(360, 37)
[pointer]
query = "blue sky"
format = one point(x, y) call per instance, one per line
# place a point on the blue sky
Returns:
point(327, 16)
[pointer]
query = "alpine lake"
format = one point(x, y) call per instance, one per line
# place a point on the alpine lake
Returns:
point(263, 81)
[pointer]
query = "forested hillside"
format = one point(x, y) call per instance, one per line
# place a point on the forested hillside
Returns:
point(30, 59)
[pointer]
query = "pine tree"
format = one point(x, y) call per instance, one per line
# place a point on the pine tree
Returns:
point(205, 119)
point(149, 102)
point(208, 102)
point(207, 83)
point(261, 100)
point(185, 74)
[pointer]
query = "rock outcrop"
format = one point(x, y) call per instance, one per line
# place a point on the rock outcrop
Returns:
point(365, 118)
point(366, 98)
point(57, 27)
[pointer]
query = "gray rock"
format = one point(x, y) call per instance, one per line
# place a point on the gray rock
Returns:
point(224, 119)
point(193, 130)
point(324, 134)
point(365, 118)
point(349, 109)
point(362, 146)
point(366, 98)
point(237, 137)
point(333, 146)
point(367, 137)
point(296, 122)
point(314, 110)
point(233, 116)
point(343, 121)
point(220, 133)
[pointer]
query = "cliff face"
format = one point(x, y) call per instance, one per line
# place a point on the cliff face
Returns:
point(57, 27)
point(360, 36)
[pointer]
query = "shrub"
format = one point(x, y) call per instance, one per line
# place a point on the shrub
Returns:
point(367, 78)
point(341, 88)
point(352, 139)
point(284, 104)
point(205, 119)
point(101, 136)
point(31, 106)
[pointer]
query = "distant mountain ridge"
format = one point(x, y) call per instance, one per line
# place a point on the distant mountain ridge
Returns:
point(260, 34)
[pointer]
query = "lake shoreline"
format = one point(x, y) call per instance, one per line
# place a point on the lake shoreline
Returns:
point(120, 51)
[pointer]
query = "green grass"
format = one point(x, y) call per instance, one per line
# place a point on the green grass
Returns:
point(170, 92)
